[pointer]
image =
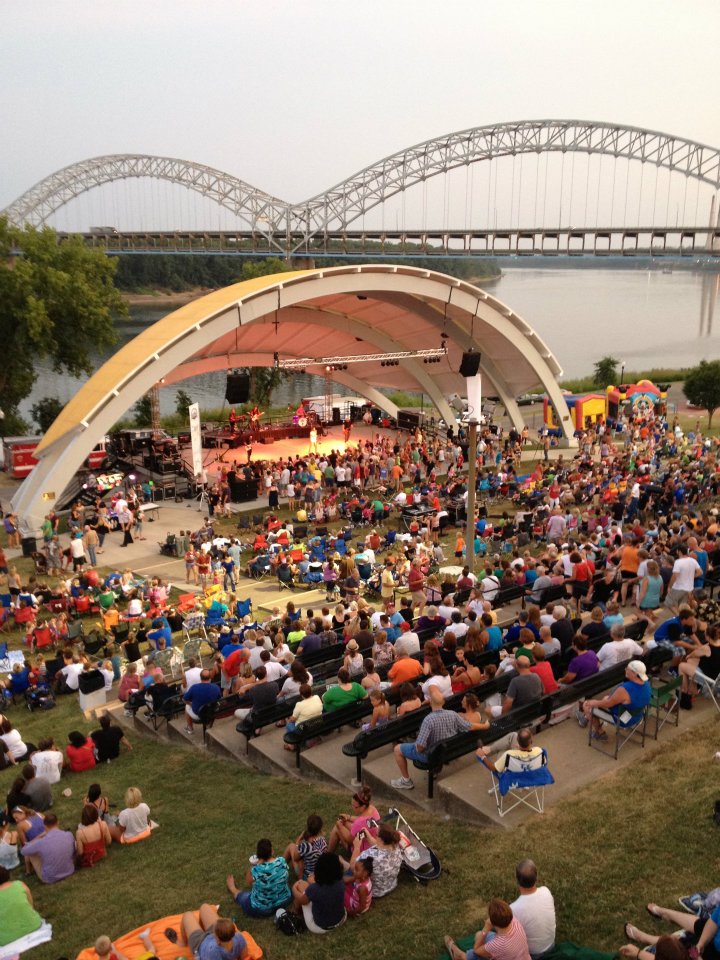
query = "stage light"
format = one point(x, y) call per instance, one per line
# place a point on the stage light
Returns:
point(131, 477)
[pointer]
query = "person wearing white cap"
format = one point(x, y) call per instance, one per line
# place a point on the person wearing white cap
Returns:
point(624, 706)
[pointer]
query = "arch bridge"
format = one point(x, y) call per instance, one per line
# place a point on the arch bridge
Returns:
point(290, 227)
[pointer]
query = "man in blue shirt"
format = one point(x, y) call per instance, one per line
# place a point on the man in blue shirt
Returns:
point(197, 696)
point(161, 628)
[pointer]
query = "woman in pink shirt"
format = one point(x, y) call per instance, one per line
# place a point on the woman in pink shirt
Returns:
point(502, 937)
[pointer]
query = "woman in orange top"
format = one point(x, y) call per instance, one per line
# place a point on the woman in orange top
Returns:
point(629, 563)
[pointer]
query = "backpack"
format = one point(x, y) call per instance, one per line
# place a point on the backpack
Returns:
point(289, 923)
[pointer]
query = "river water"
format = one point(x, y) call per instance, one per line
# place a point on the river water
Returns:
point(645, 318)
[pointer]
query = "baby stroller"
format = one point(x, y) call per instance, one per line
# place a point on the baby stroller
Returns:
point(419, 860)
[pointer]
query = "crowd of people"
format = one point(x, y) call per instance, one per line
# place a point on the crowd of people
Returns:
point(623, 532)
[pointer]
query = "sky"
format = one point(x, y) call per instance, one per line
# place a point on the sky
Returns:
point(294, 97)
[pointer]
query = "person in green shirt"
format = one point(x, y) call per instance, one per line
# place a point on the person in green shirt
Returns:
point(18, 918)
point(296, 634)
point(344, 693)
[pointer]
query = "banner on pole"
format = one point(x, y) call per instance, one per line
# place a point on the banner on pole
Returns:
point(195, 438)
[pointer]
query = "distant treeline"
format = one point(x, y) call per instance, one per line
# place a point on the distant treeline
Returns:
point(140, 273)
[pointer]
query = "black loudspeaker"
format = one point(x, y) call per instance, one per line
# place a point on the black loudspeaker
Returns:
point(470, 364)
point(238, 388)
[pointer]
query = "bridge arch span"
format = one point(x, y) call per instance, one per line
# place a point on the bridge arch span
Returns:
point(46, 197)
point(341, 205)
point(343, 311)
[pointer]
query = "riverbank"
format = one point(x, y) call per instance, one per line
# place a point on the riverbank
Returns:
point(164, 298)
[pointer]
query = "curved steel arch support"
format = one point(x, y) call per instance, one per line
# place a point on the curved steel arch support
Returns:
point(342, 204)
point(339, 206)
point(242, 199)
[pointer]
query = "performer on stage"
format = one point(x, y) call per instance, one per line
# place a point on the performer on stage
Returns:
point(233, 420)
point(313, 440)
point(255, 415)
point(300, 412)
point(347, 427)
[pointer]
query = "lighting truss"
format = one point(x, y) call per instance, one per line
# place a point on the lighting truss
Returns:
point(297, 363)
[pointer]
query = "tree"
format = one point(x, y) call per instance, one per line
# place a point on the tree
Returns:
point(57, 303)
point(605, 371)
point(182, 402)
point(263, 381)
point(143, 411)
point(45, 411)
point(702, 387)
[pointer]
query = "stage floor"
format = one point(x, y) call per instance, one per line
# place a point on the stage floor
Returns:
point(214, 458)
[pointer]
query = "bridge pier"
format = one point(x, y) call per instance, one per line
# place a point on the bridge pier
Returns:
point(300, 263)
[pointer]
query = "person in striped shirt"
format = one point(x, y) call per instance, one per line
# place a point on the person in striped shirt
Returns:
point(502, 937)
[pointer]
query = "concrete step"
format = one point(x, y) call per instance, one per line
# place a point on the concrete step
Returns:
point(301, 598)
point(326, 761)
point(268, 754)
point(176, 733)
point(223, 740)
point(380, 769)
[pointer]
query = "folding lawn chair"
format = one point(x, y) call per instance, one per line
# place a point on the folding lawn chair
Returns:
point(522, 782)
point(708, 687)
point(626, 724)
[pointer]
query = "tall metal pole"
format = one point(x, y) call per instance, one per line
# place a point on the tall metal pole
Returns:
point(472, 485)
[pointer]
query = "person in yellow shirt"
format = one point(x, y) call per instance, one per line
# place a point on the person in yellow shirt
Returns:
point(111, 618)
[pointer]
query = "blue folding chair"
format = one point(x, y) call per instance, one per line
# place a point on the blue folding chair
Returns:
point(243, 608)
point(521, 782)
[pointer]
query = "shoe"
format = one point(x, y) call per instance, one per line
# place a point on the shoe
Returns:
point(581, 719)
point(601, 735)
point(672, 672)
point(692, 903)
point(402, 783)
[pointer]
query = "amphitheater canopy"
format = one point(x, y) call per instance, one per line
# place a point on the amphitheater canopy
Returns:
point(343, 311)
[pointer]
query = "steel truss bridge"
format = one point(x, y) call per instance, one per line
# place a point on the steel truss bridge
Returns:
point(699, 243)
point(325, 223)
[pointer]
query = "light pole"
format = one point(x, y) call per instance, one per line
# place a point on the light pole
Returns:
point(470, 369)
point(622, 371)
point(472, 483)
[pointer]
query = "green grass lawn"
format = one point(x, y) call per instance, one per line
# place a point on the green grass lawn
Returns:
point(640, 835)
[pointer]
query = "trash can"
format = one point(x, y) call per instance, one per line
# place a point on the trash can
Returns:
point(29, 546)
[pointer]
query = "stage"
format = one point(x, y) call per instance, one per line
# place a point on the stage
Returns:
point(215, 458)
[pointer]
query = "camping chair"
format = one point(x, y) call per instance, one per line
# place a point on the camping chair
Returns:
point(243, 608)
point(40, 561)
point(5, 665)
point(522, 782)
point(664, 702)
point(260, 567)
point(74, 630)
point(186, 601)
point(626, 725)
point(708, 687)
point(169, 548)
point(5, 620)
point(243, 523)
point(5, 601)
point(192, 649)
point(41, 637)
point(194, 623)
